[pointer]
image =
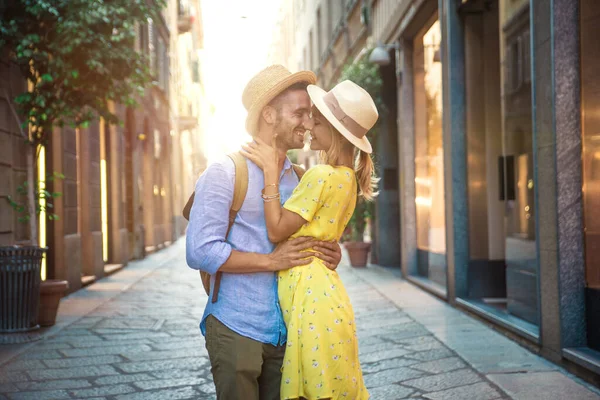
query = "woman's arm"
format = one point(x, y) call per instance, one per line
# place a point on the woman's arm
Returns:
point(281, 223)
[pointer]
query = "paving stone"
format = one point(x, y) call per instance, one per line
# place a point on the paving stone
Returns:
point(25, 365)
point(208, 388)
point(110, 390)
point(8, 376)
point(82, 361)
point(40, 355)
point(189, 343)
point(116, 379)
point(8, 387)
point(54, 385)
point(431, 355)
point(65, 373)
point(186, 333)
point(181, 363)
point(166, 383)
point(478, 391)
point(74, 332)
point(75, 341)
point(383, 355)
point(43, 395)
point(165, 355)
point(442, 365)
point(387, 364)
point(390, 392)
point(139, 335)
point(370, 340)
point(390, 376)
point(104, 350)
point(542, 386)
point(183, 373)
point(428, 345)
point(443, 381)
point(104, 342)
point(52, 346)
point(167, 394)
point(364, 350)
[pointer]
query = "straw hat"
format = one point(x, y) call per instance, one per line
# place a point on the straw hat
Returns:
point(265, 86)
point(350, 109)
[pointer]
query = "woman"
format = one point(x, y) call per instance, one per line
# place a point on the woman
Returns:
point(321, 358)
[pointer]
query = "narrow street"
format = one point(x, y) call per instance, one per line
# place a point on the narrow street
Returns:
point(134, 335)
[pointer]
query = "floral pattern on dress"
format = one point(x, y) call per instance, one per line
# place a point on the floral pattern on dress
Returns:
point(322, 360)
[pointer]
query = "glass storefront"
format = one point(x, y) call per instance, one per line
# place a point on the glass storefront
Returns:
point(590, 118)
point(503, 267)
point(429, 162)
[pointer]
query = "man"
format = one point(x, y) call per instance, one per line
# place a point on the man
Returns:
point(244, 329)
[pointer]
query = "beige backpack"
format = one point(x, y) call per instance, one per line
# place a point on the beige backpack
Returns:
point(239, 194)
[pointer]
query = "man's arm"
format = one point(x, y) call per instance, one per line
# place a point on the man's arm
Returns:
point(285, 256)
point(206, 245)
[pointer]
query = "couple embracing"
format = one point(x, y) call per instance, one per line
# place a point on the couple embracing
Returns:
point(279, 323)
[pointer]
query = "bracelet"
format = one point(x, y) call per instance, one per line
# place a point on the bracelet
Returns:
point(270, 200)
point(270, 184)
point(270, 196)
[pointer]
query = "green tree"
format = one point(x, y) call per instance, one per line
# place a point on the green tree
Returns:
point(78, 56)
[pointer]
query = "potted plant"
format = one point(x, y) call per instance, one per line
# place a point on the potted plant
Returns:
point(79, 58)
point(354, 240)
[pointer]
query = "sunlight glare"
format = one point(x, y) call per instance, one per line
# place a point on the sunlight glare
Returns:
point(237, 36)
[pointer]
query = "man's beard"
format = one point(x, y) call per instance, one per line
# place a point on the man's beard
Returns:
point(286, 135)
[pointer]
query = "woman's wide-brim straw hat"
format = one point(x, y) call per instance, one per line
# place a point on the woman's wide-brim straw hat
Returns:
point(265, 86)
point(350, 109)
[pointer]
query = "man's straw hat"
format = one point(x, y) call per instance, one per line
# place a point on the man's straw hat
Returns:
point(350, 109)
point(265, 86)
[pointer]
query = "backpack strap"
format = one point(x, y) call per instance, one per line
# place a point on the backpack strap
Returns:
point(240, 189)
point(298, 170)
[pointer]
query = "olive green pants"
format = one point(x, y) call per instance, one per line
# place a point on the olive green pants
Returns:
point(242, 368)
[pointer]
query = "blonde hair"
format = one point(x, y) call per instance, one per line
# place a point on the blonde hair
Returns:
point(363, 163)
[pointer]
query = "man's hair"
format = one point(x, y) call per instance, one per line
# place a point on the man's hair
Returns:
point(276, 102)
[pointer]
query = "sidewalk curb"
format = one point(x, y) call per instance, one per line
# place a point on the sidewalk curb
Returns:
point(80, 303)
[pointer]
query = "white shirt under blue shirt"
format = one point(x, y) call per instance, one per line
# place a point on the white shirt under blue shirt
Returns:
point(248, 304)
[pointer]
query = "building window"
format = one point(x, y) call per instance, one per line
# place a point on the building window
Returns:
point(304, 60)
point(330, 19)
point(311, 51)
point(429, 159)
point(319, 36)
point(590, 124)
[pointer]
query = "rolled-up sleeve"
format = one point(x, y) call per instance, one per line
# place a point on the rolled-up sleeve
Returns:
point(206, 246)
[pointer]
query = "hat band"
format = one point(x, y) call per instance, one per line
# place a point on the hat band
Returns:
point(334, 106)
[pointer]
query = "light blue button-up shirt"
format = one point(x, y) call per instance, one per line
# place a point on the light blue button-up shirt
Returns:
point(248, 303)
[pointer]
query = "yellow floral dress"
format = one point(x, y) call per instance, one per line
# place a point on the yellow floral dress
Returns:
point(321, 357)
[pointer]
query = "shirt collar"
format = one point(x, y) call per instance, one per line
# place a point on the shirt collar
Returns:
point(287, 166)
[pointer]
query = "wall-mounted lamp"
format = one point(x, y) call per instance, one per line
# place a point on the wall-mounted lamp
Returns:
point(381, 56)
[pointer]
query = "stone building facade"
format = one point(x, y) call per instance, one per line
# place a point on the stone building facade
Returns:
point(122, 192)
point(491, 138)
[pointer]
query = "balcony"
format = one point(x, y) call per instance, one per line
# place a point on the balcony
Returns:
point(184, 17)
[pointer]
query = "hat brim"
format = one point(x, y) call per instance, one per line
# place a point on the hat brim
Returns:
point(254, 111)
point(316, 95)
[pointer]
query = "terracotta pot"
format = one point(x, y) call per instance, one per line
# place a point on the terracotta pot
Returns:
point(51, 291)
point(358, 253)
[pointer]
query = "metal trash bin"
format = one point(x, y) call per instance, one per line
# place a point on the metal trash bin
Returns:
point(20, 287)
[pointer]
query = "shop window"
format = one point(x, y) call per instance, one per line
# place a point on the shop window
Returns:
point(429, 160)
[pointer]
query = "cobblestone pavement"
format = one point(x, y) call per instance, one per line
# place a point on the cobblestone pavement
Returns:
point(143, 342)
